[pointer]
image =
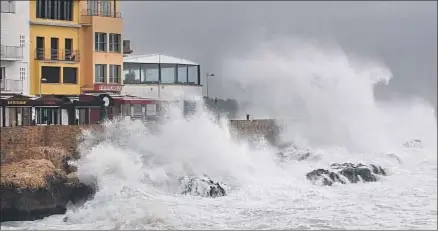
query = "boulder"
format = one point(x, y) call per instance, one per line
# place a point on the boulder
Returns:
point(201, 186)
point(34, 188)
point(345, 173)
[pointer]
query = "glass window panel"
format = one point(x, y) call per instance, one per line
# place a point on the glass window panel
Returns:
point(149, 73)
point(193, 74)
point(131, 71)
point(182, 74)
point(168, 73)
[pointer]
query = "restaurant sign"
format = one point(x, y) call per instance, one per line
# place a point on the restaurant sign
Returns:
point(17, 102)
point(108, 87)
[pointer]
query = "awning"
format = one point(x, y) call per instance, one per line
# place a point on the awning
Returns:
point(16, 101)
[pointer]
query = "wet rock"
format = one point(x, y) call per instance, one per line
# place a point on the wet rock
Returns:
point(345, 173)
point(201, 186)
point(413, 144)
point(34, 189)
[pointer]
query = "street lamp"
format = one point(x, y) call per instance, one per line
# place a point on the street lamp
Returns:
point(42, 80)
point(208, 75)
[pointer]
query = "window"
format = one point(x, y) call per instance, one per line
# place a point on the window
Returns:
point(193, 73)
point(105, 8)
point(22, 41)
point(168, 73)
point(114, 76)
point(55, 9)
point(54, 49)
point(70, 75)
point(47, 115)
point(40, 48)
point(7, 6)
point(51, 74)
point(131, 72)
point(182, 74)
point(138, 110)
point(100, 73)
point(100, 41)
point(149, 73)
point(92, 7)
point(3, 74)
point(68, 46)
point(84, 117)
point(22, 73)
point(114, 42)
point(3, 78)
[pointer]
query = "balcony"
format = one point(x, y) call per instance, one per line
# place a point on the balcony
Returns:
point(11, 85)
point(11, 53)
point(8, 7)
point(57, 55)
point(88, 14)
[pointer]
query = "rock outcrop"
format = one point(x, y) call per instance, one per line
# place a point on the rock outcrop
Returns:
point(32, 189)
point(201, 186)
point(346, 173)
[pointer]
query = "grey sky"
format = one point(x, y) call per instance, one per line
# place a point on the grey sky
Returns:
point(402, 34)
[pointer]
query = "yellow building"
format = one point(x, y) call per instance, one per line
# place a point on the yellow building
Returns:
point(75, 46)
point(101, 45)
point(54, 56)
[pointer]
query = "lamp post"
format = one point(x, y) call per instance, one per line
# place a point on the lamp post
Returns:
point(208, 75)
point(42, 80)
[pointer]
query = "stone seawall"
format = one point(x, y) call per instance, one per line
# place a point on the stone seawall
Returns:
point(256, 128)
point(65, 137)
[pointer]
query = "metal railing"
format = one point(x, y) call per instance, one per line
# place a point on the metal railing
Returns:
point(7, 6)
point(11, 52)
point(11, 85)
point(87, 15)
point(57, 55)
point(101, 13)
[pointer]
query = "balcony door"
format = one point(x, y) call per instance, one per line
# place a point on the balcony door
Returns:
point(68, 49)
point(54, 51)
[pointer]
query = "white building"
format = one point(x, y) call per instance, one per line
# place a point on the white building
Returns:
point(163, 77)
point(14, 47)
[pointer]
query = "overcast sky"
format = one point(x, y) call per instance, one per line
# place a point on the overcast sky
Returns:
point(401, 34)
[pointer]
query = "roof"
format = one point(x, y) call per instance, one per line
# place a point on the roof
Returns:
point(156, 58)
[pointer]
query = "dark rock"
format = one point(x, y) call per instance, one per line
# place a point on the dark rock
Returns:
point(19, 204)
point(324, 177)
point(201, 186)
point(346, 172)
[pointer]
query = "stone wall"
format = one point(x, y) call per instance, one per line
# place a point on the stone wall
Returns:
point(13, 138)
point(256, 128)
point(66, 136)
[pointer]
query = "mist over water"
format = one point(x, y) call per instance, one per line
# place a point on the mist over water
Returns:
point(323, 98)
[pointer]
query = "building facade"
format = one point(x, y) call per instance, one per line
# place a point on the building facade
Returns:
point(14, 47)
point(54, 47)
point(75, 46)
point(101, 45)
point(159, 76)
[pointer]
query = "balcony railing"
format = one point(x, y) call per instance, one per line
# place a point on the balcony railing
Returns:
point(8, 6)
point(11, 85)
point(101, 13)
point(57, 55)
point(11, 52)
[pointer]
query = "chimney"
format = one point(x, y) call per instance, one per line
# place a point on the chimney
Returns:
point(127, 47)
